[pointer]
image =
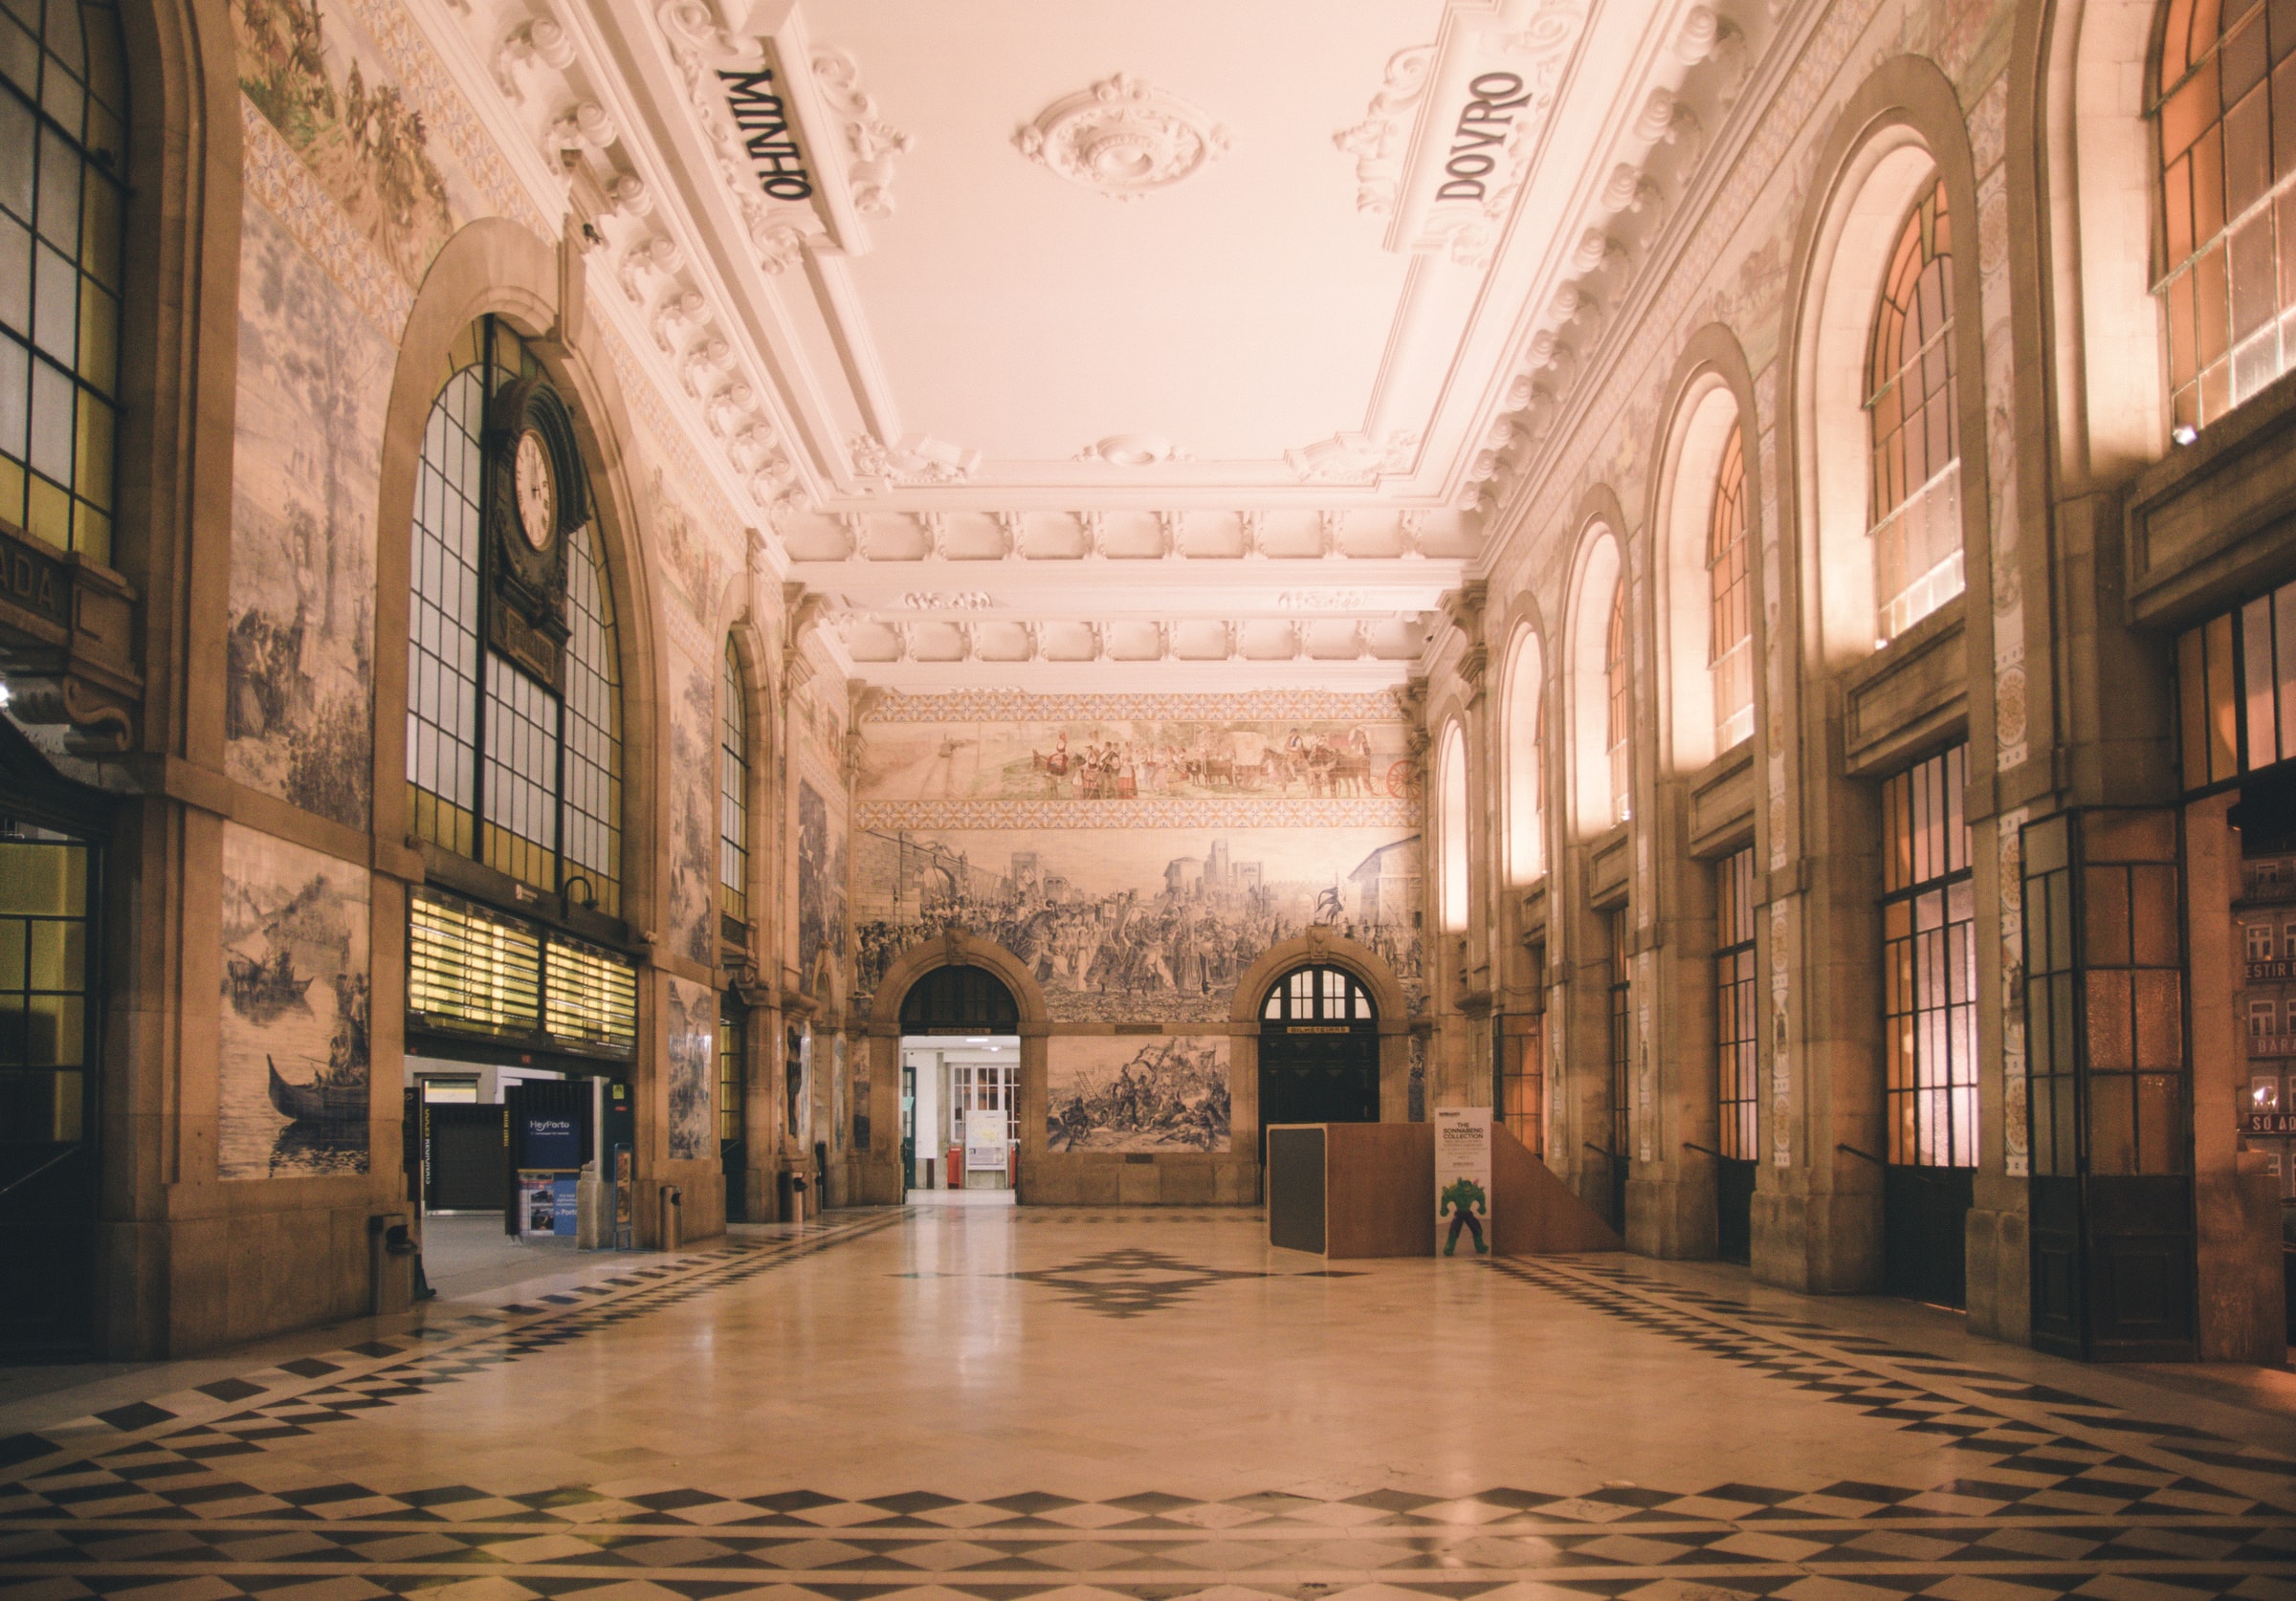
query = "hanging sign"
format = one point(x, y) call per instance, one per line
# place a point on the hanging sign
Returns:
point(1462, 1178)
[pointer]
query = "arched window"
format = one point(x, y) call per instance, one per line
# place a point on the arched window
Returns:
point(733, 792)
point(1618, 683)
point(64, 149)
point(1453, 793)
point(1915, 500)
point(515, 759)
point(2227, 149)
point(1525, 762)
point(1313, 994)
point(1730, 639)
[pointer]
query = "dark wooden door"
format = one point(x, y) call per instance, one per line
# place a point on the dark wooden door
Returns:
point(1733, 1209)
point(1924, 1212)
point(1328, 1076)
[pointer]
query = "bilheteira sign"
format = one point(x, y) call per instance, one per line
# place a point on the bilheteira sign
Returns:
point(1462, 1178)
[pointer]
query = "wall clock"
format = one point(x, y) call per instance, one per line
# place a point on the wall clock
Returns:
point(535, 482)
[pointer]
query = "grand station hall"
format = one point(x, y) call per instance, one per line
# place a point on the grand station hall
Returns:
point(1147, 800)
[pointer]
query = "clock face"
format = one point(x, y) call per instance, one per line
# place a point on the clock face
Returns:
point(537, 491)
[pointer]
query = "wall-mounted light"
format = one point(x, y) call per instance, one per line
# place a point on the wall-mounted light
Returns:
point(7, 694)
point(2184, 434)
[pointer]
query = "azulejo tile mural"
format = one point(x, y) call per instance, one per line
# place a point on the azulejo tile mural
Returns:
point(1120, 1092)
point(293, 1056)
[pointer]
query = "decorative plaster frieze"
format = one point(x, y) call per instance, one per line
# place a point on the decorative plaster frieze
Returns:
point(870, 142)
point(1122, 138)
point(916, 460)
point(1381, 139)
point(1354, 458)
point(1133, 450)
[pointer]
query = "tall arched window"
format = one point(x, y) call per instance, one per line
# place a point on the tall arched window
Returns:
point(1730, 639)
point(2227, 150)
point(1452, 789)
point(1618, 683)
point(514, 737)
point(733, 792)
point(63, 165)
point(1915, 502)
point(1525, 762)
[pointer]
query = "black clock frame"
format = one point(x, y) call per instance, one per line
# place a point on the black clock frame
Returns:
point(525, 588)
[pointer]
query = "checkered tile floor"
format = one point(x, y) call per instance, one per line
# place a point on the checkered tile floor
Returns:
point(2056, 1493)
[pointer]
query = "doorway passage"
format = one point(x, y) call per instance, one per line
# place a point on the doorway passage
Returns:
point(1319, 1051)
point(960, 1089)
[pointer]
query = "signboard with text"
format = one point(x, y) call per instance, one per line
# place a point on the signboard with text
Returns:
point(1462, 1179)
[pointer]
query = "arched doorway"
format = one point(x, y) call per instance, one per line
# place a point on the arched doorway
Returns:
point(961, 1085)
point(1319, 1050)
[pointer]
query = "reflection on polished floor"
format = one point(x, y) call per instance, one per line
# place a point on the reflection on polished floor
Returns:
point(1008, 1404)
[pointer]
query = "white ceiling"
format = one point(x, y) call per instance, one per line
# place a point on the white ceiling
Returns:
point(1244, 420)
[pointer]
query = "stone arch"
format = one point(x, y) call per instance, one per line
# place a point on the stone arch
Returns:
point(2093, 61)
point(180, 308)
point(1319, 947)
point(956, 947)
point(496, 266)
point(881, 1179)
point(1710, 392)
point(1597, 569)
point(1902, 130)
point(1522, 760)
point(1454, 831)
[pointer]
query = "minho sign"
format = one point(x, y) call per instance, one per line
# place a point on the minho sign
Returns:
point(764, 118)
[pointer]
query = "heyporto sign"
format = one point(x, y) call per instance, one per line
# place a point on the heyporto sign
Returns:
point(763, 115)
point(1486, 122)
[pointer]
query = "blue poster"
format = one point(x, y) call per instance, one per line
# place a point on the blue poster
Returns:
point(551, 1142)
point(562, 1206)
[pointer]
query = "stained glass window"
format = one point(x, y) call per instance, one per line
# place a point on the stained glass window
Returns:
point(1929, 966)
point(2226, 109)
point(733, 792)
point(1618, 678)
point(1914, 517)
point(499, 765)
point(63, 148)
point(1729, 643)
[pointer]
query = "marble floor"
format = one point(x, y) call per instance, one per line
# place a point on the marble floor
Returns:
point(1010, 1404)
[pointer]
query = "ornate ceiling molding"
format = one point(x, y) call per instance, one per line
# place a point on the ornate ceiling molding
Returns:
point(870, 142)
point(1123, 138)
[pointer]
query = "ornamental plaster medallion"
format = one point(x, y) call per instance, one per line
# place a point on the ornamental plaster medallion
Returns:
point(1123, 138)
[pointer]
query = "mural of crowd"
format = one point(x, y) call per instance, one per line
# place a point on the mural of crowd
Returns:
point(1104, 948)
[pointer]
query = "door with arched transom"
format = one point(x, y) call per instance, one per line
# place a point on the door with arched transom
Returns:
point(1319, 1050)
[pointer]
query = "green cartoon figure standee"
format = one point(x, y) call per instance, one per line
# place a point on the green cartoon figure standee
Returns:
point(1468, 1205)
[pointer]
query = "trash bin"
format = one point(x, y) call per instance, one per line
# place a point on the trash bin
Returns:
point(673, 1225)
point(785, 1196)
point(389, 1264)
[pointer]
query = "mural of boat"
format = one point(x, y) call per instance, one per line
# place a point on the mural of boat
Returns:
point(325, 1099)
point(261, 983)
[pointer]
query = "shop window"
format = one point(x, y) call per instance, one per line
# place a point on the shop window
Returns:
point(1618, 683)
point(1729, 639)
point(1914, 515)
point(733, 792)
point(513, 742)
point(64, 168)
point(1929, 966)
point(2235, 691)
point(2225, 107)
point(1736, 1002)
point(44, 991)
